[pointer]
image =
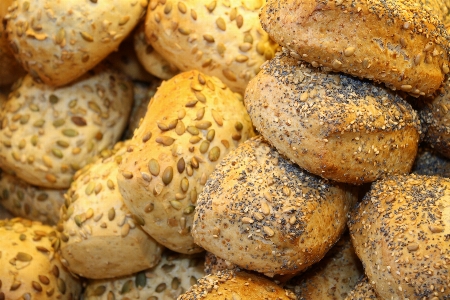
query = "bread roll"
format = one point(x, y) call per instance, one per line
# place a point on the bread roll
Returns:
point(191, 123)
point(47, 133)
point(263, 213)
point(214, 264)
point(219, 38)
point(400, 232)
point(362, 291)
point(29, 201)
point(30, 265)
point(101, 238)
point(174, 275)
point(428, 162)
point(395, 42)
point(236, 285)
point(332, 125)
point(331, 278)
point(58, 41)
point(4, 214)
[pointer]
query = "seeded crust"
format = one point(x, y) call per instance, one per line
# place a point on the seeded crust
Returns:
point(57, 42)
point(191, 123)
point(362, 291)
point(99, 233)
point(435, 117)
point(401, 233)
point(49, 133)
point(263, 213)
point(174, 275)
point(219, 38)
point(4, 214)
point(214, 264)
point(331, 278)
point(428, 162)
point(28, 201)
point(150, 59)
point(236, 285)
point(395, 42)
point(30, 265)
point(332, 125)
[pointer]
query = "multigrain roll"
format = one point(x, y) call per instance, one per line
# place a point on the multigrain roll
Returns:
point(173, 276)
point(263, 213)
point(395, 42)
point(30, 264)
point(192, 122)
point(333, 277)
point(428, 162)
point(362, 291)
point(233, 284)
point(400, 232)
point(47, 133)
point(100, 237)
point(221, 38)
point(332, 125)
point(214, 264)
point(30, 202)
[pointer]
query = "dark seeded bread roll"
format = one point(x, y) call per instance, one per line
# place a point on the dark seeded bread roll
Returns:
point(332, 125)
point(263, 213)
point(395, 42)
point(401, 233)
point(428, 162)
point(362, 291)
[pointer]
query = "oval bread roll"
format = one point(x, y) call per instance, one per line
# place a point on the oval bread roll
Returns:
point(47, 134)
point(400, 232)
point(29, 201)
point(263, 213)
point(174, 275)
point(428, 162)
point(332, 125)
point(58, 41)
point(362, 291)
point(219, 38)
point(395, 42)
point(30, 265)
point(100, 238)
point(191, 123)
point(232, 284)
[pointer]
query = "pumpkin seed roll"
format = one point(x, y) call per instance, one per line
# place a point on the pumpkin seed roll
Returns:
point(100, 237)
point(263, 213)
point(395, 42)
point(192, 121)
point(30, 264)
point(47, 133)
point(4, 214)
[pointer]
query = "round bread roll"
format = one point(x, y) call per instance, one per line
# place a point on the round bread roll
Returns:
point(435, 117)
point(150, 59)
point(263, 213)
point(30, 202)
point(49, 133)
point(428, 162)
point(4, 214)
point(192, 121)
point(30, 265)
point(232, 284)
point(58, 41)
point(332, 125)
point(401, 232)
point(173, 276)
point(331, 278)
point(214, 264)
point(219, 38)
point(439, 8)
point(362, 291)
point(395, 42)
point(100, 238)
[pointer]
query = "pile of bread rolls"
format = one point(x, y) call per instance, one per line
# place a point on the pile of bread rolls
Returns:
point(224, 149)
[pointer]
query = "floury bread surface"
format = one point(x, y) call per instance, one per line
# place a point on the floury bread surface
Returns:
point(192, 121)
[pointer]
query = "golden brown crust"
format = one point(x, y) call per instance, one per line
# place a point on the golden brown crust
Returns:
point(330, 124)
point(362, 291)
point(395, 42)
point(263, 213)
point(401, 232)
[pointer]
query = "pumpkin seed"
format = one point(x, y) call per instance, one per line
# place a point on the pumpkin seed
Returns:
point(153, 167)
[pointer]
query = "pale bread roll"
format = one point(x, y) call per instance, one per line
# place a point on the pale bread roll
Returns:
point(192, 122)
point(400, 231)
point(330, 124)
point(214, 264)
point(362, 291)
point(263, 213)
point(219, 38)
point(101, 238)
point(395, 42)
point(47, 133)
point(30, 265)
